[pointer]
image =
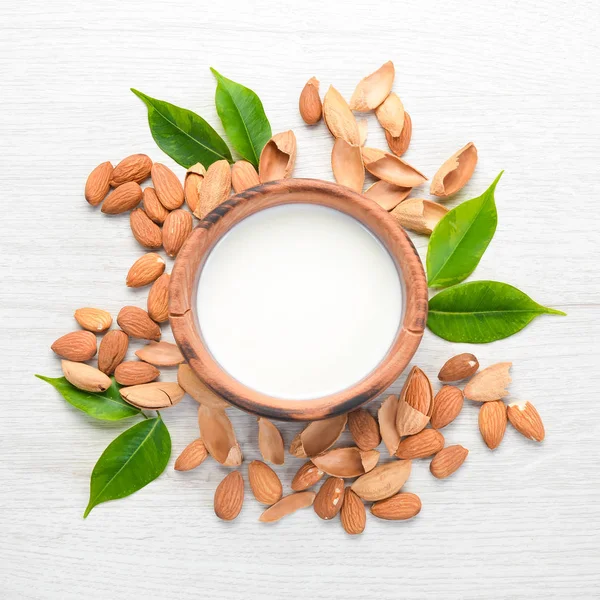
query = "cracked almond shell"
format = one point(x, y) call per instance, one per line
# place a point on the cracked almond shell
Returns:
point(287, 505)
point(454, 174)
point(219, 436)
point(270, 442)
point(387, 423)
point(347, 165)
point(383, 481)
point(399, 145)
point(390, 114)
point(387, 195)
point(390, 168)
point(419, 215)
point(156, 395)
point(346, 462)
point(373, 89)
point(318, 436)
point(489, 384)
point(339, 118)
point(278, 157)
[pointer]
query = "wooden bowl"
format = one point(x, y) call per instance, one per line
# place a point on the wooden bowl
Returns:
point(184, 284)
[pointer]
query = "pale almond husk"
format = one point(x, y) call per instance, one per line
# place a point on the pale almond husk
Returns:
point(364, 429)
point(390, 114)
point(421, 445)
point(243, 176)
point(387, 423)
point(198, 390)
point(270, 442)
point(419, 215)
point(417, 391)
point(135, 372)
point(167, 186)
point(93, 319)
point(215, 189)
point(492, 423)
point(489, 385)
point(158, 299)
point(98, 183)
point(390, 168)
point(387, 195)
point(383, 481)
point(346, 462)
point(77, 346)
point(136, 323)
point(363, 131)
point(318, 436)
point(353, 515)
point(264, 482)
point(229, 496)
point(309, 103)
point(85, 377)
point(409, 420)
point(154, 209)
point(193, 455)
point(458, 367)
point(160, 354)
point(347, 165)
point(339, 118)
point(399, 145)
point(373, 89)
point(156, 395)
point(112, 351)
point(218, 435)
point(330, 498)
point(192, 184)
point(447, 405)
point(306, 476)
point(133, 168)
point(144, 230)
point(278, 157)
point(398, 507)
point(447, 461)
point(145, 270)
point(454, 174)
point(122, 199)
point(526, 420)
point(177, 228)
point(287, 505)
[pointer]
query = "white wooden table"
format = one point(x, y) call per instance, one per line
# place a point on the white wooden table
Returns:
point(520, 79)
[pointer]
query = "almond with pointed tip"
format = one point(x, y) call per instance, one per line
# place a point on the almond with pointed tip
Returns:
point(135, 372)
point(390, 114)
point(409, 420)
point(339, 118)
point(133, 168)
point(492, 423)
point(421, 445)
point(318, 436)
point(399, 507)
point(270, 442)
point(417, 391)
point(364, 429)
point(192, 184)
point(387, 195)
point(330, 498)
point(353, 515)
point(198, 390)
point(243, 176)
point(383, 481)
point(447, 461)
point(229, 496)
point(215, 189)
point(346, 462)
point(278, 157)
point(176, 229)
point(399, 145)
point(309, 104)
point(347, 165)
point(160, 354)
point(144, 230)
point(390, 168)
point(98, 183)
point(193, 455)
point(158, 299)
point(419, 215)
point(489, 385)
point(287, 505)
point(306, 476)
point(454, 174)
point(112, 351)
point(145, 270)
point(154, 396)
point(526, 420)
point(154, 209)
point(387, 423)
point(93, 319)
point(136, 323)
point(373, 89)
point(218, 435)
point(122, 199)
point(264, 482)
point(77, 346)
point(167, 185)
point(447, 405)
point(84, 377)
point(459, 367)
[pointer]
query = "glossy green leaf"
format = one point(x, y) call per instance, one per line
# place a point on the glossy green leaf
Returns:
point(106, 406)
point(185, 136)
point(130, 462)
point(482, 311)
point(460, 239)
point(243, 118)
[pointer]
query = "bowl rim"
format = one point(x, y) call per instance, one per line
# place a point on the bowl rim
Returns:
point(188, 265)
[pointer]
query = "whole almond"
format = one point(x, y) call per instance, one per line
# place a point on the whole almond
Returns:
point(77, 346)
point(193, 455)
point(154, 209)
point(122, 199)
point(98, 183)
point(135, 322)
point(84, 377)
point(168, 187)
point(364, 429)
point(176, 229)
point(383, 481)
point(423, 444)
point(330, 498)
point(492, 422)
point(489, 384)
point(397, 508)
point(447, 461)
point(93, 319)
point(158, 299)
point(113, 348)
point(133, 168)
point(135, 372)
point(417, 391)
point(309, 104)
point(447, 405)
point(287, 505)
point(265, 484)
point(145, 270)
point(145, 231)
point(526, 420)
point(306, 476)
point(270, 442)
point(458, 367)
point(216, 188)
point(192, 184)
point(229, 496)
point(153, 396)
point(160, 354)
point(243, 176)
point(353, 515)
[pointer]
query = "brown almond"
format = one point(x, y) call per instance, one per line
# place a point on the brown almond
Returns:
point(243, 176)
point(489, 384)
point(353, 514)
point(93, 319)
point(397, 508)
point(417, 391)
point(278, 157)
point(409, 420)
point(447, 405)
point(287, 505)
point(215, 189)
point(136, 323)
point(154, 209)
point(373, 89)
point(193, 455)
point(347, 165)
point(306, 476)
point(77, 346)
point(229, 496)
point(158, 299)
point(447, 461)
point(113, 348)
point(387, 195)
point(154, 396)
point(419, 215)
point(364, 429)
point(390, 114)
point(219, 436)
point(270, 442)
point(346, 462)
point(133, 168)
point(383, 481)
point(339, 118)
point(135, 372)
point(454, 174)
point(458, 367)
point(390, 168)
point(122, 199)
point(144, 230)
point(192, 184)
point(387, 423)
point(318, 436)
point(492, 423)
point(167, 185)
point(145, 270)
point(421, 445)
point(198, 390)
point(330, 498)
point(526, 420)
point(160, 354)
point(98, 183)
point(176, 229)
point(309, 104)
point(399, 145)
point(84, 377)
point(264, 482)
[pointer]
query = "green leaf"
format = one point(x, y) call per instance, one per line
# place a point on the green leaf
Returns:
point(106, 406)
point(482, 311)
point(130, 462)
point(243, 117)
point(185, 136)
point(460, 239)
